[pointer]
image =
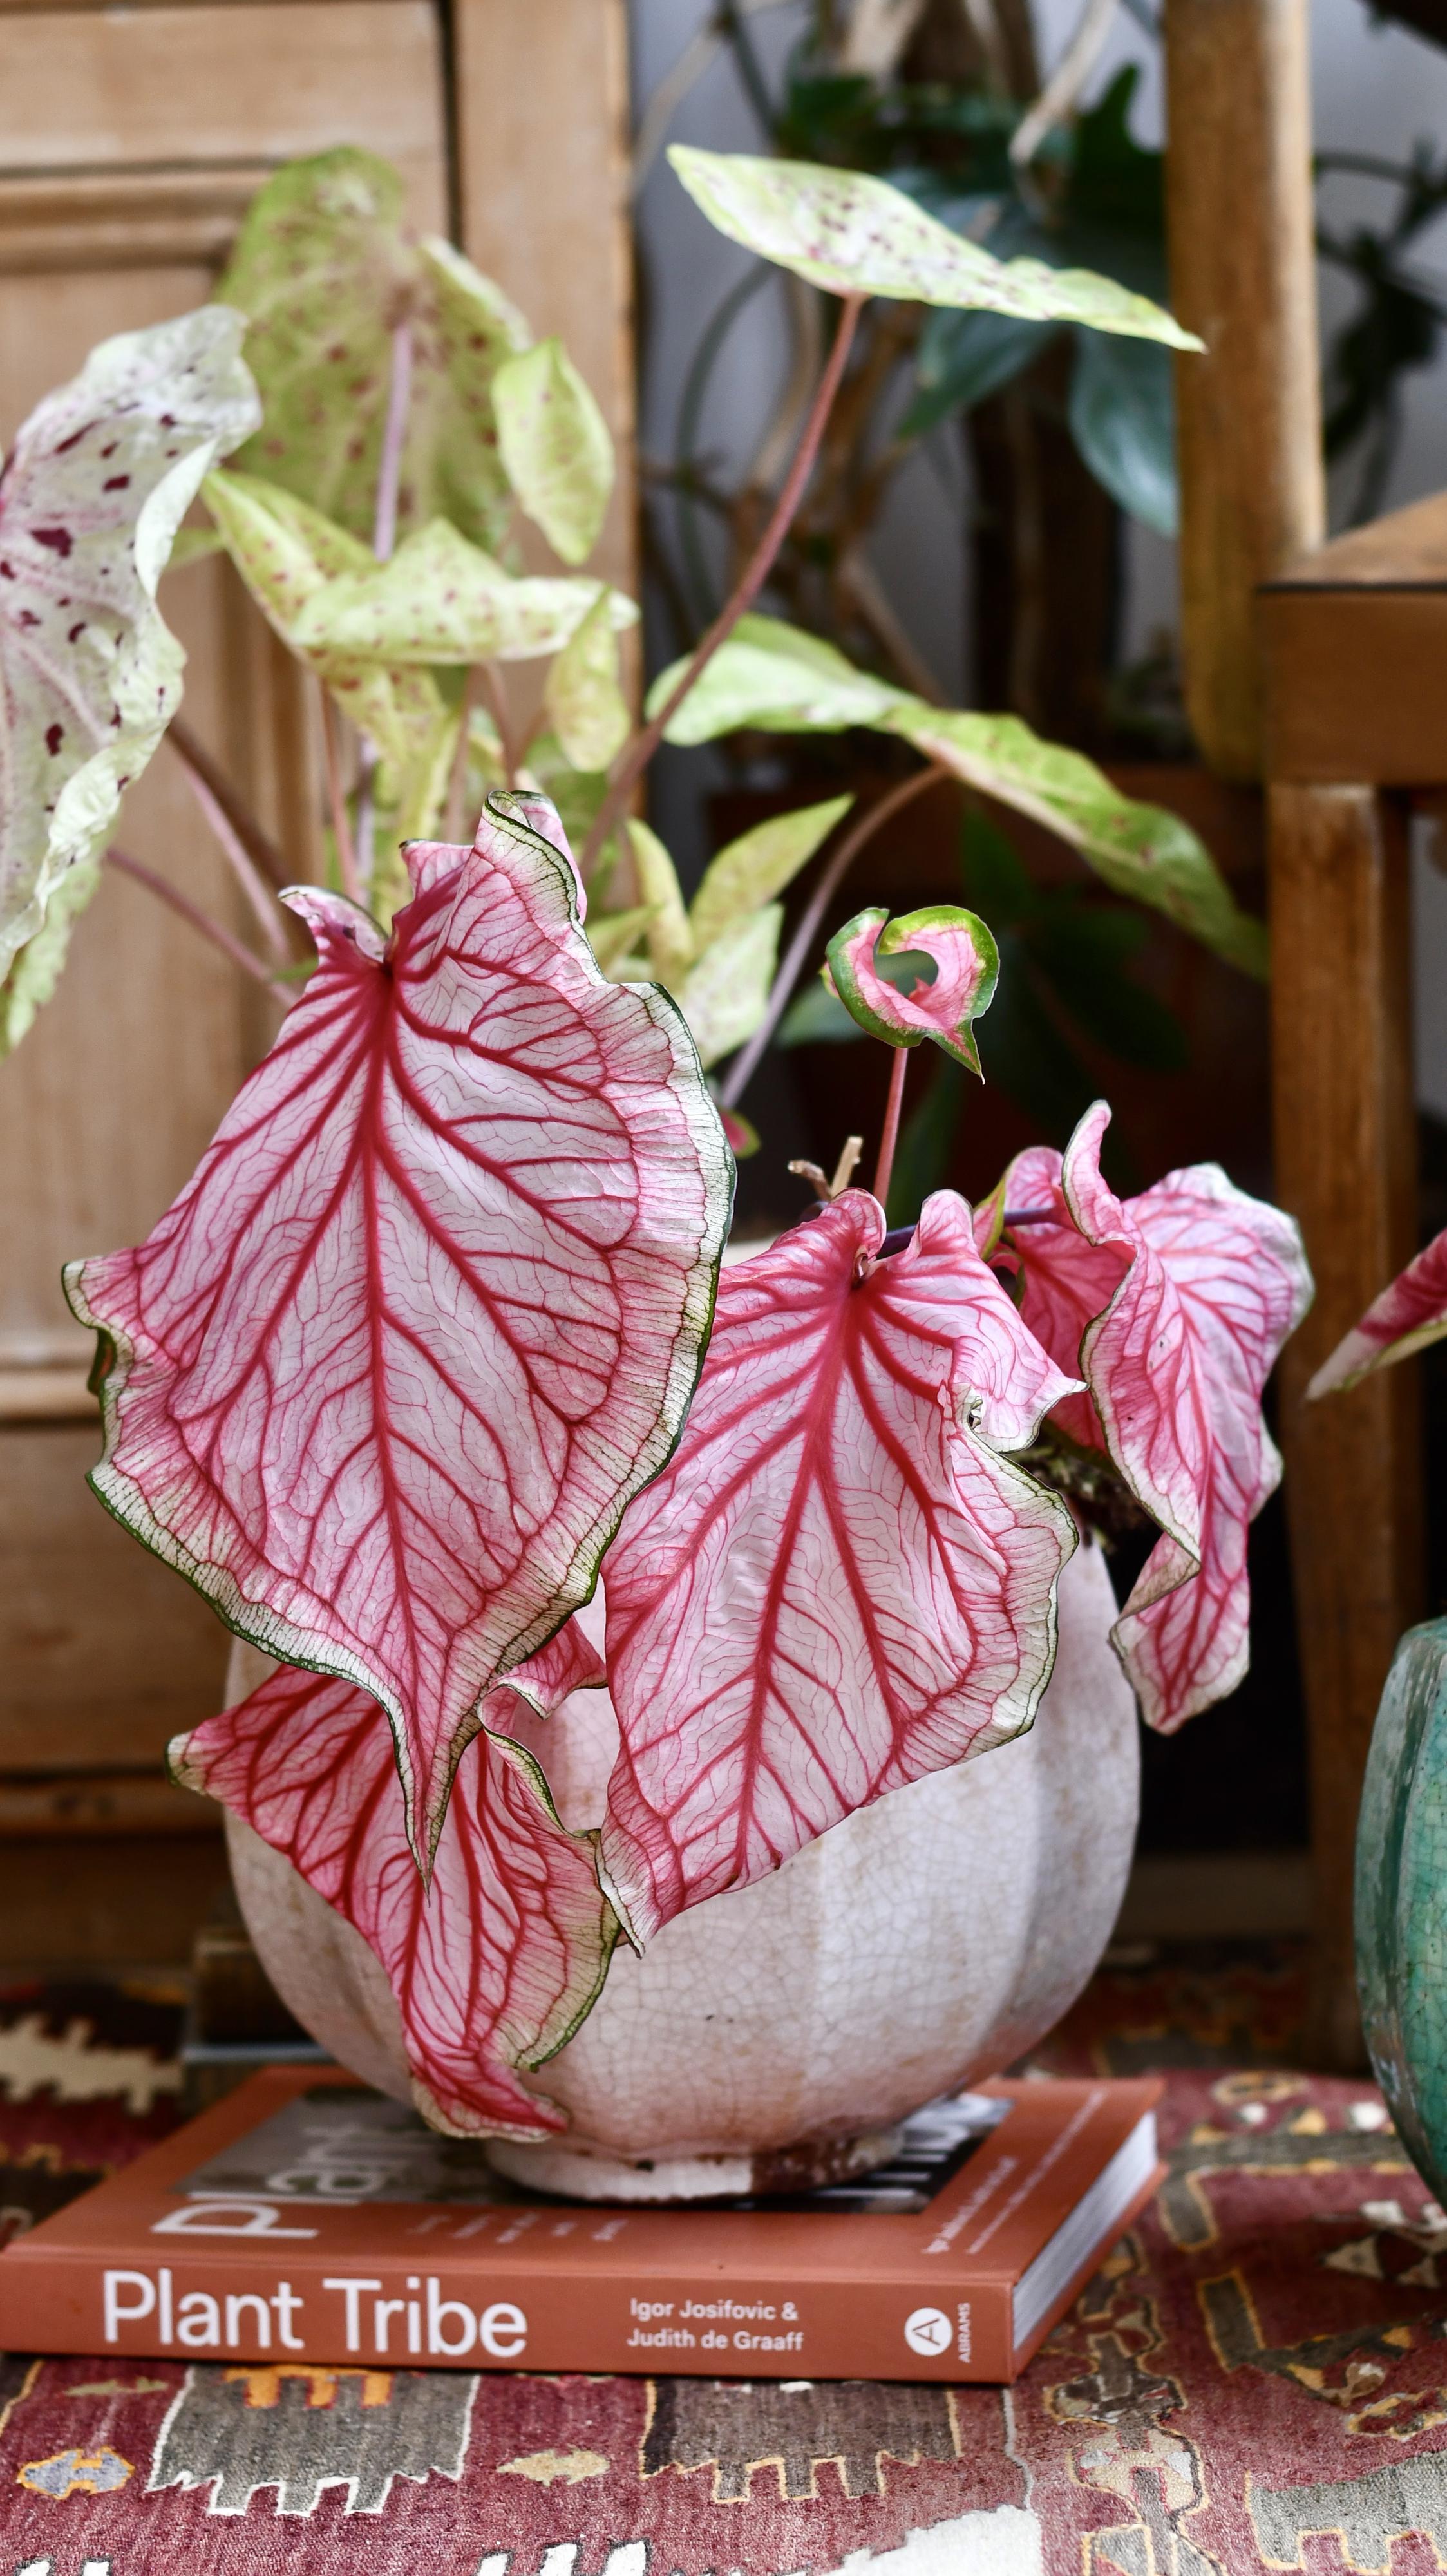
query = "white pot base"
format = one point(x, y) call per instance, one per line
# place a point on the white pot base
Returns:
point(923, 1944)
point(575, 2173)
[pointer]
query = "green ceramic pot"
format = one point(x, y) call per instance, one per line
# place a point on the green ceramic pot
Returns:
point(1401, 1899)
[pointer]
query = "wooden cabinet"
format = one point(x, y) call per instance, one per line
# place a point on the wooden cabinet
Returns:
point(130, 142)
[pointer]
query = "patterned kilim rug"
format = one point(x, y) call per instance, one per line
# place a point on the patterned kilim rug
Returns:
point(1256, 2379)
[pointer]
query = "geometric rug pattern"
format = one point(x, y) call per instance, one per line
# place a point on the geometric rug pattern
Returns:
point(1256, 2379)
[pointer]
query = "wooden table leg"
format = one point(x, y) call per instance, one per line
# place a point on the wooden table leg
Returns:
point(1346, 1167)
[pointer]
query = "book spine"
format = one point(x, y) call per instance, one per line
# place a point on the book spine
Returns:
point(378, 2315)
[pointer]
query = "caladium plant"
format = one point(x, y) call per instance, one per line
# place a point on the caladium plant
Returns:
point(438, 1327)
point(383, 1379)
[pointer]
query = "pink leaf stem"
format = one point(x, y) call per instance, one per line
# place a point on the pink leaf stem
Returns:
point(636, 756)
point(351, 874)
point(268, 859)
point(494, 1965)
point(837, 1583)
point(394, 439)
point(889, 1133)
point(216, 931)
point(383, 1379)
point(258, 894)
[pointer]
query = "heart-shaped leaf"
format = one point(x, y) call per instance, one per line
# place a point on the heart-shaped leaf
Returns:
point(1188, 1292)
point(94, 490)
point(837, 1584)
point(384, 1378)
point(1407, 1316)
point(856, 235)
point(495, 1964)
point(287, 554)
point(439, 599)
point(758, 866)
point(967, 965)
point(555, 447)
point(583, 695)
point(325, 272)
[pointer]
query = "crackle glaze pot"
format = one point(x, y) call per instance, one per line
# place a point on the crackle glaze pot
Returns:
point(779, 2033)
point(1401, 1899)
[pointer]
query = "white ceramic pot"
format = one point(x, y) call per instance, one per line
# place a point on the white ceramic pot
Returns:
point(782, 2031)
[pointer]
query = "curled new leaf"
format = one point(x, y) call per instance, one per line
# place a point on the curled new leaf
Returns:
point(496, 1963)
point(837, 1584)
point(1177, 1303)
point(1407, 1316)
point(967, 967)
point(555, 446)
point(90, 675)
point(325, 272)
point(440, 599)
point(856, 235)
point(384, 1378)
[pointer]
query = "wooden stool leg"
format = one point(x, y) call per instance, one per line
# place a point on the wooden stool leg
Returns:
point(1346, 1167)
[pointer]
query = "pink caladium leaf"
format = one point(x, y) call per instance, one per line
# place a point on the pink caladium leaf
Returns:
point(1407, 1316)
point(1176, 1304)
point(838, 1583)
point(495, 1964)
point(384, 1378)
point(967, 967)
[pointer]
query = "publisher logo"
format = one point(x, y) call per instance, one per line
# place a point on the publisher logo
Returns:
point(928, 2331)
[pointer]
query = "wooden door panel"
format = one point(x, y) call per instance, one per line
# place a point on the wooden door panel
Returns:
point(180, 88)
point(133, 142)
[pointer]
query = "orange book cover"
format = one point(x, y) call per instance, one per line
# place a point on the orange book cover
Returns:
point(307, 2220)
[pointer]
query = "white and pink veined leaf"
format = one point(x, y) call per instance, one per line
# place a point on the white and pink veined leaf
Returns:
point(1208, 1284)
point(1065, 1281)
point(495, 1963)
point(967, 968)
point(384, 1378)
point(837, 1584)
point(1407, 1316)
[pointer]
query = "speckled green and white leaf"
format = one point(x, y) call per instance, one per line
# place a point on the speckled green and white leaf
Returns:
point(285, 552)
point(773, 676)
point(324, 271)
point(758, 866)
point(670, 940)
point(583, 696)
point(611, 936)
point(1140, 850)
point(555, 447)
point(856, 235)
point(35, 969)
point(100, 478)
point(723, 997)
point(440, 599)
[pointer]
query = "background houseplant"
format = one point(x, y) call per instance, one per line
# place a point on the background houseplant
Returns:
point(386, 1378)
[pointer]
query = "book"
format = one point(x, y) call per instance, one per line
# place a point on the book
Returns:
point(305, 2221)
